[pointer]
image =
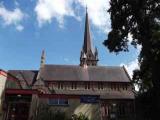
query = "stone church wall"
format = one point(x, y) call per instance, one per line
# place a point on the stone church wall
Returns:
point(75, 107)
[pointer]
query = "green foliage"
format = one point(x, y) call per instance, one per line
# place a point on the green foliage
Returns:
point(44, 112)
point(81, 116)
point(146, 105)
point(12, 84)
point(141, 20)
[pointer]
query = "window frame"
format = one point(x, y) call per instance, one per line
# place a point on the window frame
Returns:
point(58, 101)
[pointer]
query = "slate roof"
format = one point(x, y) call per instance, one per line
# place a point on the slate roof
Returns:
point(78, 73)
point(29, 76)
point(73, 73)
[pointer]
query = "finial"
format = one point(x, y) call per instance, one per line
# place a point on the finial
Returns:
point(86, 8)
point(84, 56)
point(96, 53)
point(43, 52)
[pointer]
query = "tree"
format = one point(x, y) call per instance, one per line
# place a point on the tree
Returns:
point(141, 20)
point(44, 112)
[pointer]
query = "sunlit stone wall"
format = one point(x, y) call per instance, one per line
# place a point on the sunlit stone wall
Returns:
point(92, 111)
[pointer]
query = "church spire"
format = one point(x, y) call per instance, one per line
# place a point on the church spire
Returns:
point(43, 59)
point(87, 50)
point(87, 45)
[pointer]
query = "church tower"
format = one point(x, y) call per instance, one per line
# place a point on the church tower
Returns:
point(88, 56)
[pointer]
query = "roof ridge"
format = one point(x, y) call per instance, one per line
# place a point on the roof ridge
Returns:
point(62, 65)
point(125, 70)
point(22, 70)
point(80, 66)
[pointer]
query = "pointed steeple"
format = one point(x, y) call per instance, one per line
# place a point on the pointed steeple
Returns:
point(91, 58)
point(39, 83)
point(43, 58)
point(87, 45)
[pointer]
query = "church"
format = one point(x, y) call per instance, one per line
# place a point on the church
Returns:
point(99, 92)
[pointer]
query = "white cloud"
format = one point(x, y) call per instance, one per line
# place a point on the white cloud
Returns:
point(19, 27)
point(47, 10)
point(11, 17)
point(58, 9)
point(131, 66)
point(139, 47)
point(130, 38)
point(98, 14)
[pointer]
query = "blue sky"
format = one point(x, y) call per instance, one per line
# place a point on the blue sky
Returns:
point(29, 26)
